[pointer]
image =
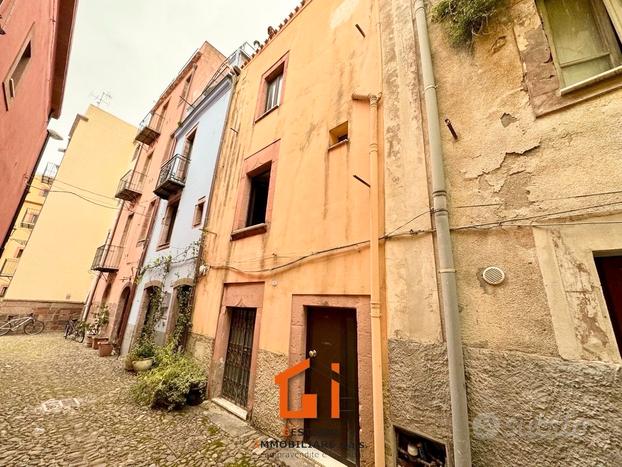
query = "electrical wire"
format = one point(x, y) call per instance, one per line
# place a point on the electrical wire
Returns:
point(85, 199)
point(392, 234)
point(538, 216)
point(585, 195)
point(84, 189)
point(408, 222)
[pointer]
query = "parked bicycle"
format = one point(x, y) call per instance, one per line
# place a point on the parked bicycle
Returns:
point(75, 329)
point(30, 324)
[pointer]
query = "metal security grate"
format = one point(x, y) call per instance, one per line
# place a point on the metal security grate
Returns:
point(239, 351)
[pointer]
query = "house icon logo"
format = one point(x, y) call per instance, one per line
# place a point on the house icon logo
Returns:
point(308, 402)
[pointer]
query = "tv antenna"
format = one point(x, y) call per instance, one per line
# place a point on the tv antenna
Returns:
point(102, 98)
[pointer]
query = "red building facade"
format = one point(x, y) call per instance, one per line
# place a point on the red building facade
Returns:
point(35, 39)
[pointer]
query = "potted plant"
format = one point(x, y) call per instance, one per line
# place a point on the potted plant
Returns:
point(105, 348)
point(142, 355)
point(89, 340)
point(99, 324)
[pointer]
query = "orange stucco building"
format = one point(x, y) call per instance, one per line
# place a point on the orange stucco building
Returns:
point(35, 39)
point(118, 260)
point(287, 252)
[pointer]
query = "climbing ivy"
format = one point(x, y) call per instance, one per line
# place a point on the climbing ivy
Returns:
point(154, 314)
point(464, 19)
point(184, 314)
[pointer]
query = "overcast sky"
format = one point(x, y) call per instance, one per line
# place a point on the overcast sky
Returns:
point(132, 49)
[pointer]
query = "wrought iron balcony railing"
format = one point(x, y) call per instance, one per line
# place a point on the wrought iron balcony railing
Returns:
point(149, 129)
point(107, 258)
point(8, 267)
point(130, 186)
point(172, 177)
point(49, 174)
point(30, 219)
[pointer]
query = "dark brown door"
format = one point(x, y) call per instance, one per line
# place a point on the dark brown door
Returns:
point(331, 338)
point(239, 352)
point(610, 272)
point(124, 305)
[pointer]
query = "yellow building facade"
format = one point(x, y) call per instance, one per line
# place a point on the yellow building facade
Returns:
point(21, 231)
point(53, 272)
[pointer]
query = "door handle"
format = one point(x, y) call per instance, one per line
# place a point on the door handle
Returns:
point(312, 353)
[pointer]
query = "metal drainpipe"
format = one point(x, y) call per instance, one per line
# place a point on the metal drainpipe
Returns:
point(374, 259)
point(449, 293)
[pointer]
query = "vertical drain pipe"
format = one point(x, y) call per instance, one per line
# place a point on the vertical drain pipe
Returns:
point(374, 260)
point(449, 293)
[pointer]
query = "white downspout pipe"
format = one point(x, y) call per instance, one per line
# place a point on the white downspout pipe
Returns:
point(449, 293)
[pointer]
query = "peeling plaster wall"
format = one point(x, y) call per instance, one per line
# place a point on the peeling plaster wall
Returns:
point(539, 348)
point(510, 164)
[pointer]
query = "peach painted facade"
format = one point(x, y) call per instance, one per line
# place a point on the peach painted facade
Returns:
point(34, 52)
point(21, 230)
point(55, 265)
point(132, 228)
point(308, 245)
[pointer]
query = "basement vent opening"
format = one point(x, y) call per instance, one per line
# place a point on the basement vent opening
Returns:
point(493, 275)
point(416, 450)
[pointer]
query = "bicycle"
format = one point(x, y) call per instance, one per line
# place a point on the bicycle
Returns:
point(75, 330)
point(30, 324)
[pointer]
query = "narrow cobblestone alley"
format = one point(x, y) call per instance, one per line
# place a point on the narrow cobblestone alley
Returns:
point(62, 404)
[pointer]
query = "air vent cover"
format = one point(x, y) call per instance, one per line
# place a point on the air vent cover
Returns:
point(493, 275)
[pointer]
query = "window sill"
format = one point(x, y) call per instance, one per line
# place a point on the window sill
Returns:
point(590, 81)
point(345, 142)
point(163, 246)
point(249, 231)
point(266, 113)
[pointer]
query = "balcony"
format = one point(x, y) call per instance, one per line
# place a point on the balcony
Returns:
point(107, 258)
point(130, 186)
point(149, 129)
point(49, 174)
point(8, 267)
point(30, 219)
point(172, 177)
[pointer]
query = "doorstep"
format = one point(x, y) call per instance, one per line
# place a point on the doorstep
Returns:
point(231, 407)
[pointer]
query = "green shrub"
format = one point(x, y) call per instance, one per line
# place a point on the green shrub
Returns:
point(169, 383)
point(464, 19)
point(143, 349)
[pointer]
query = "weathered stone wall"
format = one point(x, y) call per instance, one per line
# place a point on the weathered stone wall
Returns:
point(54, 314)
point(265, 410)
point(533, 410)
point(524, 409)
point(201, 347)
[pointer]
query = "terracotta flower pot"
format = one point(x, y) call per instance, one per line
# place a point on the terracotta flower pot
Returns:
point(89, 341)
point(97, 341)
point(105, 349)
point(142, 365)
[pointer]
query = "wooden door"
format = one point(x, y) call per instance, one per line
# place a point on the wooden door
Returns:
point(331, 338)
point(610, 272)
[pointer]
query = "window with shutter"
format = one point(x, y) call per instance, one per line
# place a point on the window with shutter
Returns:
point(583, 37)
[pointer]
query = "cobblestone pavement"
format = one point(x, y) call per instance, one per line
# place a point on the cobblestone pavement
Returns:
point(62, 404)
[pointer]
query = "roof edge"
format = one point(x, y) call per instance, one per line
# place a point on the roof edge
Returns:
point(65, 21)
